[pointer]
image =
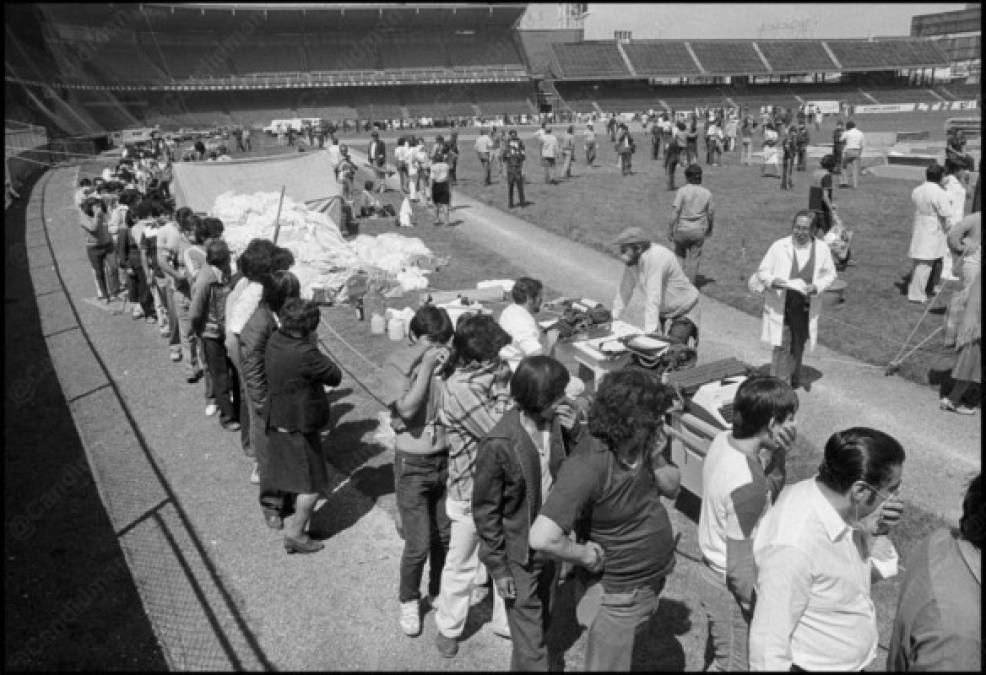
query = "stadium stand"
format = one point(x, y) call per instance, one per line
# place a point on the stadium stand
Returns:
point(962, 48)
point(268, 55)
point(505, 99)
point(727, 56)
point(886, 54)
point(589, 60)
point(795, 56)
point(652, 58)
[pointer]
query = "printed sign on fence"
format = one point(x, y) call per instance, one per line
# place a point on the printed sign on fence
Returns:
point(826, 107)
point(884, 108)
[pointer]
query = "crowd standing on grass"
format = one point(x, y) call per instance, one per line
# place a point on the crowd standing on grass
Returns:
point(510, 482)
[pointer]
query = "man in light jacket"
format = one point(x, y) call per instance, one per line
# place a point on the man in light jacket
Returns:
point(795, 270)
point(928, 242)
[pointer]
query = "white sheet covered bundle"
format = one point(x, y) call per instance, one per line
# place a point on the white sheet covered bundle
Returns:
point(323, 258)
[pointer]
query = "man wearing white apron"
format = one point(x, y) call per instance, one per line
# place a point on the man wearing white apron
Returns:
point(793, 274)
point(928, 244)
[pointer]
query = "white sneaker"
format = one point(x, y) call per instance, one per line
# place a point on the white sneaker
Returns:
point(503, 630)
point(411, 618)
point(255, 476)
point(211, 409)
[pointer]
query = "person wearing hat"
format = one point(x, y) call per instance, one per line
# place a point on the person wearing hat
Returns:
point(346, 172)
point(514, 156)
point(376, 154)
point(669, 297)
point(692, 216)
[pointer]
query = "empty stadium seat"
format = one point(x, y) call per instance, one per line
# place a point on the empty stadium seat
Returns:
point(660, 57)
point(589, 59)
point(795, 56)
point(727, 56)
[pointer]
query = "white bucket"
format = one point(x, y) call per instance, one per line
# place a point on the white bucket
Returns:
point(395, 329)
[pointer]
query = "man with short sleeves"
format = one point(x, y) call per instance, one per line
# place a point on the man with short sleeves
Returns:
point(549, 153)
point(742, 475)
point(519, 322)
point(669, 297)
point(692, 218)
point(817, 552)
point(589, 141)
point(514, 156)
point(852, 153)
point(483, 145)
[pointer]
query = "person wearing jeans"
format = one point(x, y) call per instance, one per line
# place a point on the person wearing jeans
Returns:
point(476, 396)
point(742, 475)
point(517, 465)
point(608, 491)
point(98, 243)
point(207, 315)
point(421, 461)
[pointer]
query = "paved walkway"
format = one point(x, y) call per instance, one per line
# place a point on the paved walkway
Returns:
point(215, 583)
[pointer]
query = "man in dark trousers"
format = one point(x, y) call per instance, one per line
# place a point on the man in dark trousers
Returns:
point(376, 154)
point(655, 139)
point(804, 138)
point(514, 156)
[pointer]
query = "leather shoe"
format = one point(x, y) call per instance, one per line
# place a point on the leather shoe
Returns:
point(306, 545)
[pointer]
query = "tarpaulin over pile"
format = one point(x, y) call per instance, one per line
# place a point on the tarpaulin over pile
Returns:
point(307, 175)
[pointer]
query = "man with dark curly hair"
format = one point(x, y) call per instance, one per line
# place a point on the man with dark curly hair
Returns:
point(610, 489)
point(939, 616)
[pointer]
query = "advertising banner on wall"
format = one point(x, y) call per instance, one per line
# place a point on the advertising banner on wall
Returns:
point(826, 107)
point(884, 108)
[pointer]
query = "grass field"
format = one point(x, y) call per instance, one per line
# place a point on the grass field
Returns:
point(751, 212)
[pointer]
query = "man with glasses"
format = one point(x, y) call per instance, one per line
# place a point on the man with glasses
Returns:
point(817, 551)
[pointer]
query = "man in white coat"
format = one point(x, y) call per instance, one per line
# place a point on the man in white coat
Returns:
point(928, 243)
point(794, 273)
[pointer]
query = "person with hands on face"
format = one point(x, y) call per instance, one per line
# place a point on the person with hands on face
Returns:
point(410, 376)
point(516, 467)
point(817, 553)
point(608, 492)
point(742, 475)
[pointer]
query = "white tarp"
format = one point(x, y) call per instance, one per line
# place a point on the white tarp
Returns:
point(322, 257)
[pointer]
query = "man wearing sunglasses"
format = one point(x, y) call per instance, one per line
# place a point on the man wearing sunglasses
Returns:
point(817, 552)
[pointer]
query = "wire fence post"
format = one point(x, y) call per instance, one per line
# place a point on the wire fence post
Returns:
point(277, 220)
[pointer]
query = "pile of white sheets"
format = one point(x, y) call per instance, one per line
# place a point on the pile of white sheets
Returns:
point(323, 259)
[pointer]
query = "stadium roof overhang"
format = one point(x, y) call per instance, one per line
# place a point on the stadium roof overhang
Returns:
point(307, 17)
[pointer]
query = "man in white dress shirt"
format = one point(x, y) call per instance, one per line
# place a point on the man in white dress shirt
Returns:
point(519, 322)
point(817, 552)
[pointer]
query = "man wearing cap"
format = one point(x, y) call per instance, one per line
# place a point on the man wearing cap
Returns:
point(692, 216)
point(376, 154)
point(668, 294)
point(514, 156)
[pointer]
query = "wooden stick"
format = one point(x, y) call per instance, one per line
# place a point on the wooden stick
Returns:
point(277, 220)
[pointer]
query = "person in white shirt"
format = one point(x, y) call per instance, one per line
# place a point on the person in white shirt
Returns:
point(549, 152)
point(852, 153)
point(954, 185)
point(589, 141)
point(818, 550)
point(483, 145)
point(402, 157)
point(928, 242)
point(518, 320)
point(771, 156)
point(742, 475)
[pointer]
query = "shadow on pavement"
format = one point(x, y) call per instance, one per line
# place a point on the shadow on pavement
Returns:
point(70, 602)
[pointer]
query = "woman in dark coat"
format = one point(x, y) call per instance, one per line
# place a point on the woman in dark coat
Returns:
point(295, 412)
point(515, 469)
